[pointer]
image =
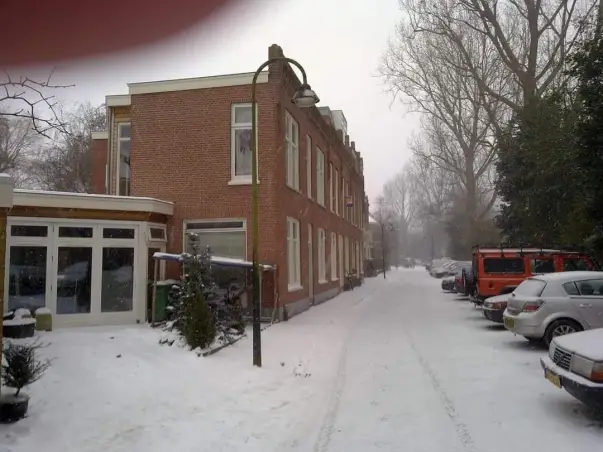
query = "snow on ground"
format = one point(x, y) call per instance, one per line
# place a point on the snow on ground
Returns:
point(393, 365)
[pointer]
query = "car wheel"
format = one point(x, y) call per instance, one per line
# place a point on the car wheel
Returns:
point(561, 328)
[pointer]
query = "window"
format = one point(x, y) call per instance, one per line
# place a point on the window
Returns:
point(29, 231)
point(336, 192)
point(224, 238)
point(157, 234)
point(575, 264)
point(293, 253)
point(27, 277)
point(74, 280)
point(123, 149)
point(240, 157)
point(593, 287)
point(530, 288)
point(502, 265)
point(322, 260)
point(331, 187)
point(571, 289)
point(114, 233)
point(309, 166)
point(542, 266)
point(333, 256)
point(292, 151)
point(117, 284)
point(75, 232)
point(320, 177)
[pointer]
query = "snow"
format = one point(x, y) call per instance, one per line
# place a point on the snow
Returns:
point(588, 344)
point(219, 260)
point(22, 313)
point(43, 311)
point(392, 365)
point(19, 321)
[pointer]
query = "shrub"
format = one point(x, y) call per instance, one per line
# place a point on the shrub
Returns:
point(20, 367)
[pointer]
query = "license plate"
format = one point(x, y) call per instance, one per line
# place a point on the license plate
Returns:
point(553, 378)
point(509, 322)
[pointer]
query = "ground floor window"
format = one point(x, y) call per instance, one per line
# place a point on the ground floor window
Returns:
point(293, 253)
point(322, 260)
point(333, 256)
point(77, 269)
point(225, 238)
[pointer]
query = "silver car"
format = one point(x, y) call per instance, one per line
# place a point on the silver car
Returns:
point(546, 306)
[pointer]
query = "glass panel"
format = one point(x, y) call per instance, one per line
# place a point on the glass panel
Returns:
point(502, 265)
point(542, 266)
point(118, 280)
point(242, 144)
point(124, 130)
point(243, 114)
point(124, 163)
point(574, 264)
point(116, 233)
point(223, 244)
point(571, 288)
point(27, 277)
point(29, 231)
point(530, 288)
point(74, 280)
point(150, 279)
point(75, 232)
point(157, 233)
point(591, 287)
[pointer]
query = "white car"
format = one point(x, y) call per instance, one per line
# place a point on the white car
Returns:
point(546, 306)
point(575, 363)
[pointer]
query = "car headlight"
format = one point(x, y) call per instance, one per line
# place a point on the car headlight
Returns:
point(597, 372)
point(582, 366)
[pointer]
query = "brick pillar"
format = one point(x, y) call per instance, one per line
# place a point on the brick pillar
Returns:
point(6, 202)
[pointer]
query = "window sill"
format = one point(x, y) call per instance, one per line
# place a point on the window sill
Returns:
point(334, 279)
point(323, 281)
point(290, 187)
point(294, 287)
point(241, 181)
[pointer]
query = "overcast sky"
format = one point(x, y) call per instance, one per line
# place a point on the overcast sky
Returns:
point(339, 43)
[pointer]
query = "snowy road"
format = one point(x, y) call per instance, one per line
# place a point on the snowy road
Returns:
point(425, 371)
point(394, 365)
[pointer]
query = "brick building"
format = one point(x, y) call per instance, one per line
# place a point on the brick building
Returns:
point(188, 142)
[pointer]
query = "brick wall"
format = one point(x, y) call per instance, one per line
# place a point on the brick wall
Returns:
point(99, 162)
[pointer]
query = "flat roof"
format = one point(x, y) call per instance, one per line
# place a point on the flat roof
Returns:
point(65, 200)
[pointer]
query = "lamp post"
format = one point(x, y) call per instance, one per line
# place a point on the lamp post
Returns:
point(303, 97)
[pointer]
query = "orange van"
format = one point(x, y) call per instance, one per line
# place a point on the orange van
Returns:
point(500, 270)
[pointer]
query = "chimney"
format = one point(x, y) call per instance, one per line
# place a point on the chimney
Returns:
point(275, 51)
point(353, 144)
point(347, 140)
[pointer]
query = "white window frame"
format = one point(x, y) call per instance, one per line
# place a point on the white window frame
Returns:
point(121, 139)
point(331, 187)
point(322, 264)
point(320, 177)
point(293, 255)
point(242, 228)
point(291, 152)
point(333, 257)
point(309, 166)
point(242, 179)
point(337, 192)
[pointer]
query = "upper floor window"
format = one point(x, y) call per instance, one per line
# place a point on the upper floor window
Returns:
point(309, 166)
point(292, 151)
point(320, 177)
point(331, 188)
point(123, 150)
point(336, 190)
point(240, 158)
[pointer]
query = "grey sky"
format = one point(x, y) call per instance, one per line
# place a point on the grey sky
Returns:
point(339, 43)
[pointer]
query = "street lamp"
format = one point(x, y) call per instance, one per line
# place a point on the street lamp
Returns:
point(304, 97)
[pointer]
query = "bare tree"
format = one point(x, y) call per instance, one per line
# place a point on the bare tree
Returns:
point(66, 164)
point(531, 38)
point(397, 194)
point(384, 217)
point(26, 98)
point(17, 140)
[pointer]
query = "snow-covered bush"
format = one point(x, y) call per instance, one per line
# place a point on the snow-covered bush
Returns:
point(21, 367)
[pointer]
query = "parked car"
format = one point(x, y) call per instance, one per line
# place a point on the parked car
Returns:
point(445, 269)
point(448, 284)
point(575, 363)
point(546, 306)
point(460, 278)
point(500, 270)
point(494, 307)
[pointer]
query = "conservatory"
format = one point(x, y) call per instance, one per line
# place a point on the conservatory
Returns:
point(86, 258)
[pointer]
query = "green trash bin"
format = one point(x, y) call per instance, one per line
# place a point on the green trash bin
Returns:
point(161, 298)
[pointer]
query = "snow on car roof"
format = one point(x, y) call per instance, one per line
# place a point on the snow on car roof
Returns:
point(569, 276)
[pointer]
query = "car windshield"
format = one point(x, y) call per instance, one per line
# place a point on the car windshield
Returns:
point(530, 288)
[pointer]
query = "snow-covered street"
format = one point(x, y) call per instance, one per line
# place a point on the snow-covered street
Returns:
point(393, 365)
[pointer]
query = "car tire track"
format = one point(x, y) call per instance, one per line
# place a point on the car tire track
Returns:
point(460, 427)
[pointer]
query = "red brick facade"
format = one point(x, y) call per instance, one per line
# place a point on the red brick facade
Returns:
point(181, 152)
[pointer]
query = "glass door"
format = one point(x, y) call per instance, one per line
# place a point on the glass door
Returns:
point(74, 279)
